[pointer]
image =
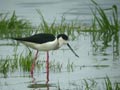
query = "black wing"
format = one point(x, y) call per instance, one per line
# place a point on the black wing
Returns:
point(38, 38)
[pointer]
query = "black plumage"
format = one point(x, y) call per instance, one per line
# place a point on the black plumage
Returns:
point(38, 38)
point(65, 37)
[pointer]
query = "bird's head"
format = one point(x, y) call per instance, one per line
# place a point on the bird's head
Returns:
point(62, 39)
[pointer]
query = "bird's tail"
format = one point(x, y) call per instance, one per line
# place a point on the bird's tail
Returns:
point(18, 39)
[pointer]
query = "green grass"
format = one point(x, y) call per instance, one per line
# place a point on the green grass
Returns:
point(56, 28)
point(70, 66)
point(93, 84)
point(56, 66)
point(13, 26)
point(23, 62)
point(111, 86)
point(106, 25)
point(107, 84)
point(8, 65)
point(103, 21)
point(105, 29)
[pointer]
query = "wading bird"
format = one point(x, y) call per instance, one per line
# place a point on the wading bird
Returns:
point(44, 42)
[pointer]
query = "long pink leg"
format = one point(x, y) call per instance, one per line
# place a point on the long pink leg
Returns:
point(33, 64)
point(47, 68)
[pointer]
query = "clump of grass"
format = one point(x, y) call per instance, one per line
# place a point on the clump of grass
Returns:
point(13, 26)
point(71, 29)
point(25, 62)
point(70, 66)
point(55, 66)
point(111, 86)
point(108, 25)
point(105, 28)
point(4, 67)
point(8, 65)
point(105, 23)
point(90, 84)
point(20, 63)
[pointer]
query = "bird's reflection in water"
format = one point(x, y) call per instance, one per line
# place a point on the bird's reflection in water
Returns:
point(36, 86)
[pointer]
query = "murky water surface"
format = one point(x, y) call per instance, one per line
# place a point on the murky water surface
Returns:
point(93, 62)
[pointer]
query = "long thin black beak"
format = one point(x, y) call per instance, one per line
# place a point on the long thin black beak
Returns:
point(72, 50)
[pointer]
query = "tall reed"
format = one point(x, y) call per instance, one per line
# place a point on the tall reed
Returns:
point(106, 28)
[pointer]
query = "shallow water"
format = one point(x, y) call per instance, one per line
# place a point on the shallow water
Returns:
point(87, 66)
point(93, 63)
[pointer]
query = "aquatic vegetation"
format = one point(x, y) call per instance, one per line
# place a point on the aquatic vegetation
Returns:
point(4, 68)
point(8, 65)
point(71, 29)
point(70, 66)
point(22, 63)
point(105, 29)
point(106, 25)
point(13, 26)
point(55, 66)
point(25, 62)
point(91, 84)
point(111, 86)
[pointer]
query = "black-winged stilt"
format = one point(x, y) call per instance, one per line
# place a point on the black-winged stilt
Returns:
point(45, 42)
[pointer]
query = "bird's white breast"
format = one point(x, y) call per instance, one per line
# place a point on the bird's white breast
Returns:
point(52, 45)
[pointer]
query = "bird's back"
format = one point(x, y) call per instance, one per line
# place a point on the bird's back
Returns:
point(38, 38)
